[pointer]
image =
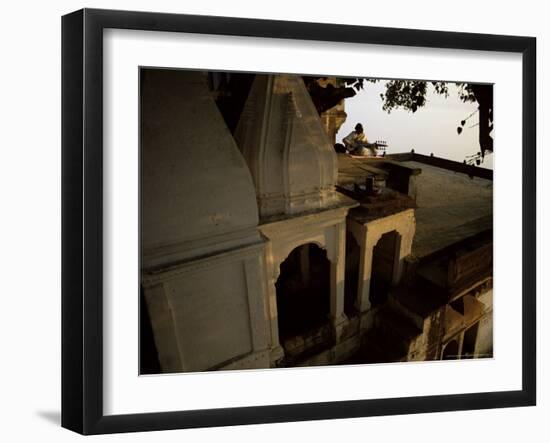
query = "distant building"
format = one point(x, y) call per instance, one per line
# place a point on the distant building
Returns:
point(265, 248)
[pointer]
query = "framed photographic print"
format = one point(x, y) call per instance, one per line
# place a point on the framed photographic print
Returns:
point(270, 221)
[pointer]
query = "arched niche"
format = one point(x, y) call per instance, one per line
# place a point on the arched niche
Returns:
point(385, 265)
point(285, 250)
point(303, 291)
point(327, 231)
point(368, 235)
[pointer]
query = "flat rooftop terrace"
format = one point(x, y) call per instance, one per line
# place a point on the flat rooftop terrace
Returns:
point(451, 205)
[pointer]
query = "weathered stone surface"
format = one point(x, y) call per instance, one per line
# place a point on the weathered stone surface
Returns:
point(203, 268)
point(195, 186)
point(451, 207)
point(287, 150)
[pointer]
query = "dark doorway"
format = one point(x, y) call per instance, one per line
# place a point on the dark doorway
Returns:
point(383, 262)
point(451, 351)
point(469, 343)
point(353, 257)
point(303, 291)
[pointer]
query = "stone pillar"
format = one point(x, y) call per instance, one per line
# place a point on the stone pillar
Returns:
point(276, 350)
point(399, 258)
point(254, 267)
point(460, 344)
point(404, 246)
point(273, 270)
point(337, 278)
point(367, 245)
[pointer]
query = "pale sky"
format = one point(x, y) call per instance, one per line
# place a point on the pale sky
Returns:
point(431, 128)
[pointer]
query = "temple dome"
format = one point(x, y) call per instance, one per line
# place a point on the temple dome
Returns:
point(280, 134)
point(196, 189)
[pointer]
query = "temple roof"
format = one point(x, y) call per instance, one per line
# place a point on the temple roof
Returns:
point(196, 188)
point(281, 136)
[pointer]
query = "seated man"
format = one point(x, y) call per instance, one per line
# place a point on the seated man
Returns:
point(356, 143)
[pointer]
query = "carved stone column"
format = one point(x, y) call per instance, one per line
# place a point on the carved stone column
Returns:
point(337, 278)
point(367, 245)
point(276, 350)
point(404, 247)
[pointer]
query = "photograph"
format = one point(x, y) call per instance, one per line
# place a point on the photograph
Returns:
point(275, 222)
point(297, 220)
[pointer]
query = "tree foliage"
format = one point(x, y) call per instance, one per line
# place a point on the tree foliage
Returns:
point(411, 95)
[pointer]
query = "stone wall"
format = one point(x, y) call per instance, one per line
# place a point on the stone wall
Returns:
point(202, 256)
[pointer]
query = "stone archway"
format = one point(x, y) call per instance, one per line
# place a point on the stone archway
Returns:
point(394, 235)
point(303, 292)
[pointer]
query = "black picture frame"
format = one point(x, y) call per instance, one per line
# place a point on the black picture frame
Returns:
point(82, 218)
